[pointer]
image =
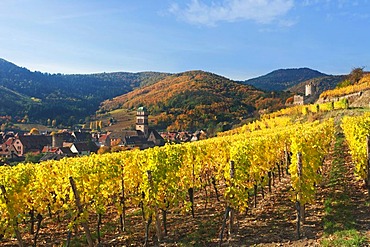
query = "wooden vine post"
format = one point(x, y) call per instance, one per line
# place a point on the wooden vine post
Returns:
point(286, 159)
point(32, 221)
point(229, 213)
point(39, 219)
point(255, 194)
point(269, 174)
point(99, 222)
point(15, 223)
point(80, 211)
point(122, 202)
point(299, 207)
point(191, 189)
point(367, 180)
point(157, 221)
point(191, 198)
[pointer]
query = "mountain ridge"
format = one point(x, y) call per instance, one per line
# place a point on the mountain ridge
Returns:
point(177, 98)
point(282, 79)
point(67, 98)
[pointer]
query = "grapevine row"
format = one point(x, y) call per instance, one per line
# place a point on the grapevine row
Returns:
point(161, 178)
point(357, 132)
point(363, 85)
point(312, 108)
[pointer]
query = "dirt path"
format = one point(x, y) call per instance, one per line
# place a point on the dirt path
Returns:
point(341, 206)
point(273, 222)
point(345, 199)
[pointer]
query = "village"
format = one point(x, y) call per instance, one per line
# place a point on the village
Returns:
point(16, 147)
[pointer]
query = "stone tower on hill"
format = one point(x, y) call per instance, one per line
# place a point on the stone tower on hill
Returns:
point(310, 89)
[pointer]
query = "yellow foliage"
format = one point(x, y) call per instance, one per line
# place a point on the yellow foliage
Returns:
point(364, 84)
point(34, 131)
point(174, 169)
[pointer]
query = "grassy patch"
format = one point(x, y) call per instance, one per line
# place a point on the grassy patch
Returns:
point(339, 221)
point(344, 238)
point(202, 235)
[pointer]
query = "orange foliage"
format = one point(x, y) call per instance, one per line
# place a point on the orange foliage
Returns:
point(195, 81)
point(193, 100)
point(290, 100)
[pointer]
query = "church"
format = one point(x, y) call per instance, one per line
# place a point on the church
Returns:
point(142, 137)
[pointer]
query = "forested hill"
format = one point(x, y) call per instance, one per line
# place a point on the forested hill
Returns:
point(196, 99)
point(321, 84)
point(188, 100)
point(66, 98)
point(282, 79)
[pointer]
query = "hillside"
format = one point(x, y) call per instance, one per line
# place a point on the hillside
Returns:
point(321, 84)
point(66, 98)
point(357, 93)
point(362, 85)
point(189, 100)
point(195, 99)
point(283, 79)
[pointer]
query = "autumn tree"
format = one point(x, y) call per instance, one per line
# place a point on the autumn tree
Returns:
point(289, 101)
point(356, 74)
point(34, 131)
point(118, 148)
point(353, 78)
point(103, 150)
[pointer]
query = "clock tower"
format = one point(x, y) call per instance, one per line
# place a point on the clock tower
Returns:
point(142, 120)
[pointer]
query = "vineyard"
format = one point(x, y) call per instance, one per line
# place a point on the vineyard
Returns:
point(363, 85)
point(140, 194)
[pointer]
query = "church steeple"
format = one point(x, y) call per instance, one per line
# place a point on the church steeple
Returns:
point(142, 120)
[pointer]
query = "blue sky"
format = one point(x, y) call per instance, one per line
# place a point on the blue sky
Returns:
point(239, 39)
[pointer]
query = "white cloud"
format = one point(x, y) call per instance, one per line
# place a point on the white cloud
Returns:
point(334, 3)
point(261, 11)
